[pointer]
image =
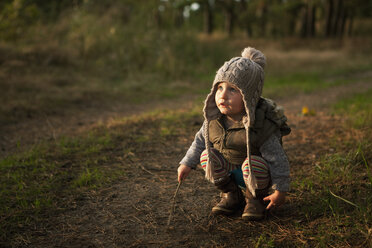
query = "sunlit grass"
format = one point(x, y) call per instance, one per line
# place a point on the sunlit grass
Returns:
point(89, 177)
point(335, 193)
point(358, 110)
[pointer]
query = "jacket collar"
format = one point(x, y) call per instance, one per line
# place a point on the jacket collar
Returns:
point(237, 125)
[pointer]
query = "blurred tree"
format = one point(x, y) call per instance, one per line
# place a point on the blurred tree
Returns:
point(292, 10)
point(308, 19)
point(207, 6)
point(261, 15)
point(228, 7)
point(337, 18)
point(257, 18)
point(340, 15)
point(246, 17)
point(329, 17)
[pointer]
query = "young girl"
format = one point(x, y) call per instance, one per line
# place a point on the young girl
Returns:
point(240, 142)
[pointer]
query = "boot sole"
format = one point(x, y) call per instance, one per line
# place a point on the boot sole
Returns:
point(252, 217)
point(224, 211)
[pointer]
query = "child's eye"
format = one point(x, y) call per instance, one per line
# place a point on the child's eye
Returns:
point(220, 88)
point(233, 90)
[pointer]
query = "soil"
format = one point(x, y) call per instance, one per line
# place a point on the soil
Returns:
point(134, 211)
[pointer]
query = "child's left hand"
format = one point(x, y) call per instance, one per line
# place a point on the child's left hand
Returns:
point(276, 199)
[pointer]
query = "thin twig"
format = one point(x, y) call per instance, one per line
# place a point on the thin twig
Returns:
point(339, 197)
point(146, 170)
point(184, 212)
point(174, 203)
point(51, 127)
point(143, 168)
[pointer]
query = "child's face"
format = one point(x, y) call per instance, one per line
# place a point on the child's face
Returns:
point(229, 100)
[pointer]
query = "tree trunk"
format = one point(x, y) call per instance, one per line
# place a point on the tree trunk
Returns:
point(342, 24)
point(178, 17)
point(208, 18)
point(311, 21)
point(292, 26)
point(330, 11)
point(229, 19)
point(350, 26)
point(228, 9)
point(304, 24)
point(336, 24)
point(157, 18)
point(246, 23)
point(262, 15)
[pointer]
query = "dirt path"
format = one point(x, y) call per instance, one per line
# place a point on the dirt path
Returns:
point(134, 212)
point(321, 99)
point(74, 121)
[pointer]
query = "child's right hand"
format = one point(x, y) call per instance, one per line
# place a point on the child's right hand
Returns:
point(183, 172)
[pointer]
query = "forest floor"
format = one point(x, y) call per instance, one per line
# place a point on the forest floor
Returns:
point(133, 211)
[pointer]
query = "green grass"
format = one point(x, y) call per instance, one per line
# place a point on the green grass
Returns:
point(315, 78)
point(345, 188)
point(342, 181)
point(357, 109)
point(335, 195)
point(89, 177)
point(35, 180)
point(336, 198)
point(293, 83)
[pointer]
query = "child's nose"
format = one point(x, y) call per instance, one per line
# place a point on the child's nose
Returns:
point(224, 94)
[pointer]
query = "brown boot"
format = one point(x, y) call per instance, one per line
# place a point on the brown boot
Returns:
point(255, 206)
point(231, 197)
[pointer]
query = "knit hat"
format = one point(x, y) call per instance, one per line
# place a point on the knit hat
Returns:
point(247, 74)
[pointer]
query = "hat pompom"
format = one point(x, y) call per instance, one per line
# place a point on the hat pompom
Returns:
point(254, 55)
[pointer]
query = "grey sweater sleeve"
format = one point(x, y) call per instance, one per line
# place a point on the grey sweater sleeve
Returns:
point(272, 151)
point(192, 157)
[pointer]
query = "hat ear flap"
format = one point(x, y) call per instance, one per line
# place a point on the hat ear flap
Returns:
point(211, 110)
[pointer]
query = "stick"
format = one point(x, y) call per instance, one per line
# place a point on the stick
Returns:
point(339, 197)
point(174, 203)
point(51, 127)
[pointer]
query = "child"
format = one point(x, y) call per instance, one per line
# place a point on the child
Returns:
point(239, 143)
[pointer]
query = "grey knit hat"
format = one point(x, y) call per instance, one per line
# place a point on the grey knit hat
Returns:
point(247, 73)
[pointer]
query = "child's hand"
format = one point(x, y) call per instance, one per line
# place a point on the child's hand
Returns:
point(183, 172)
point(276, 199)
